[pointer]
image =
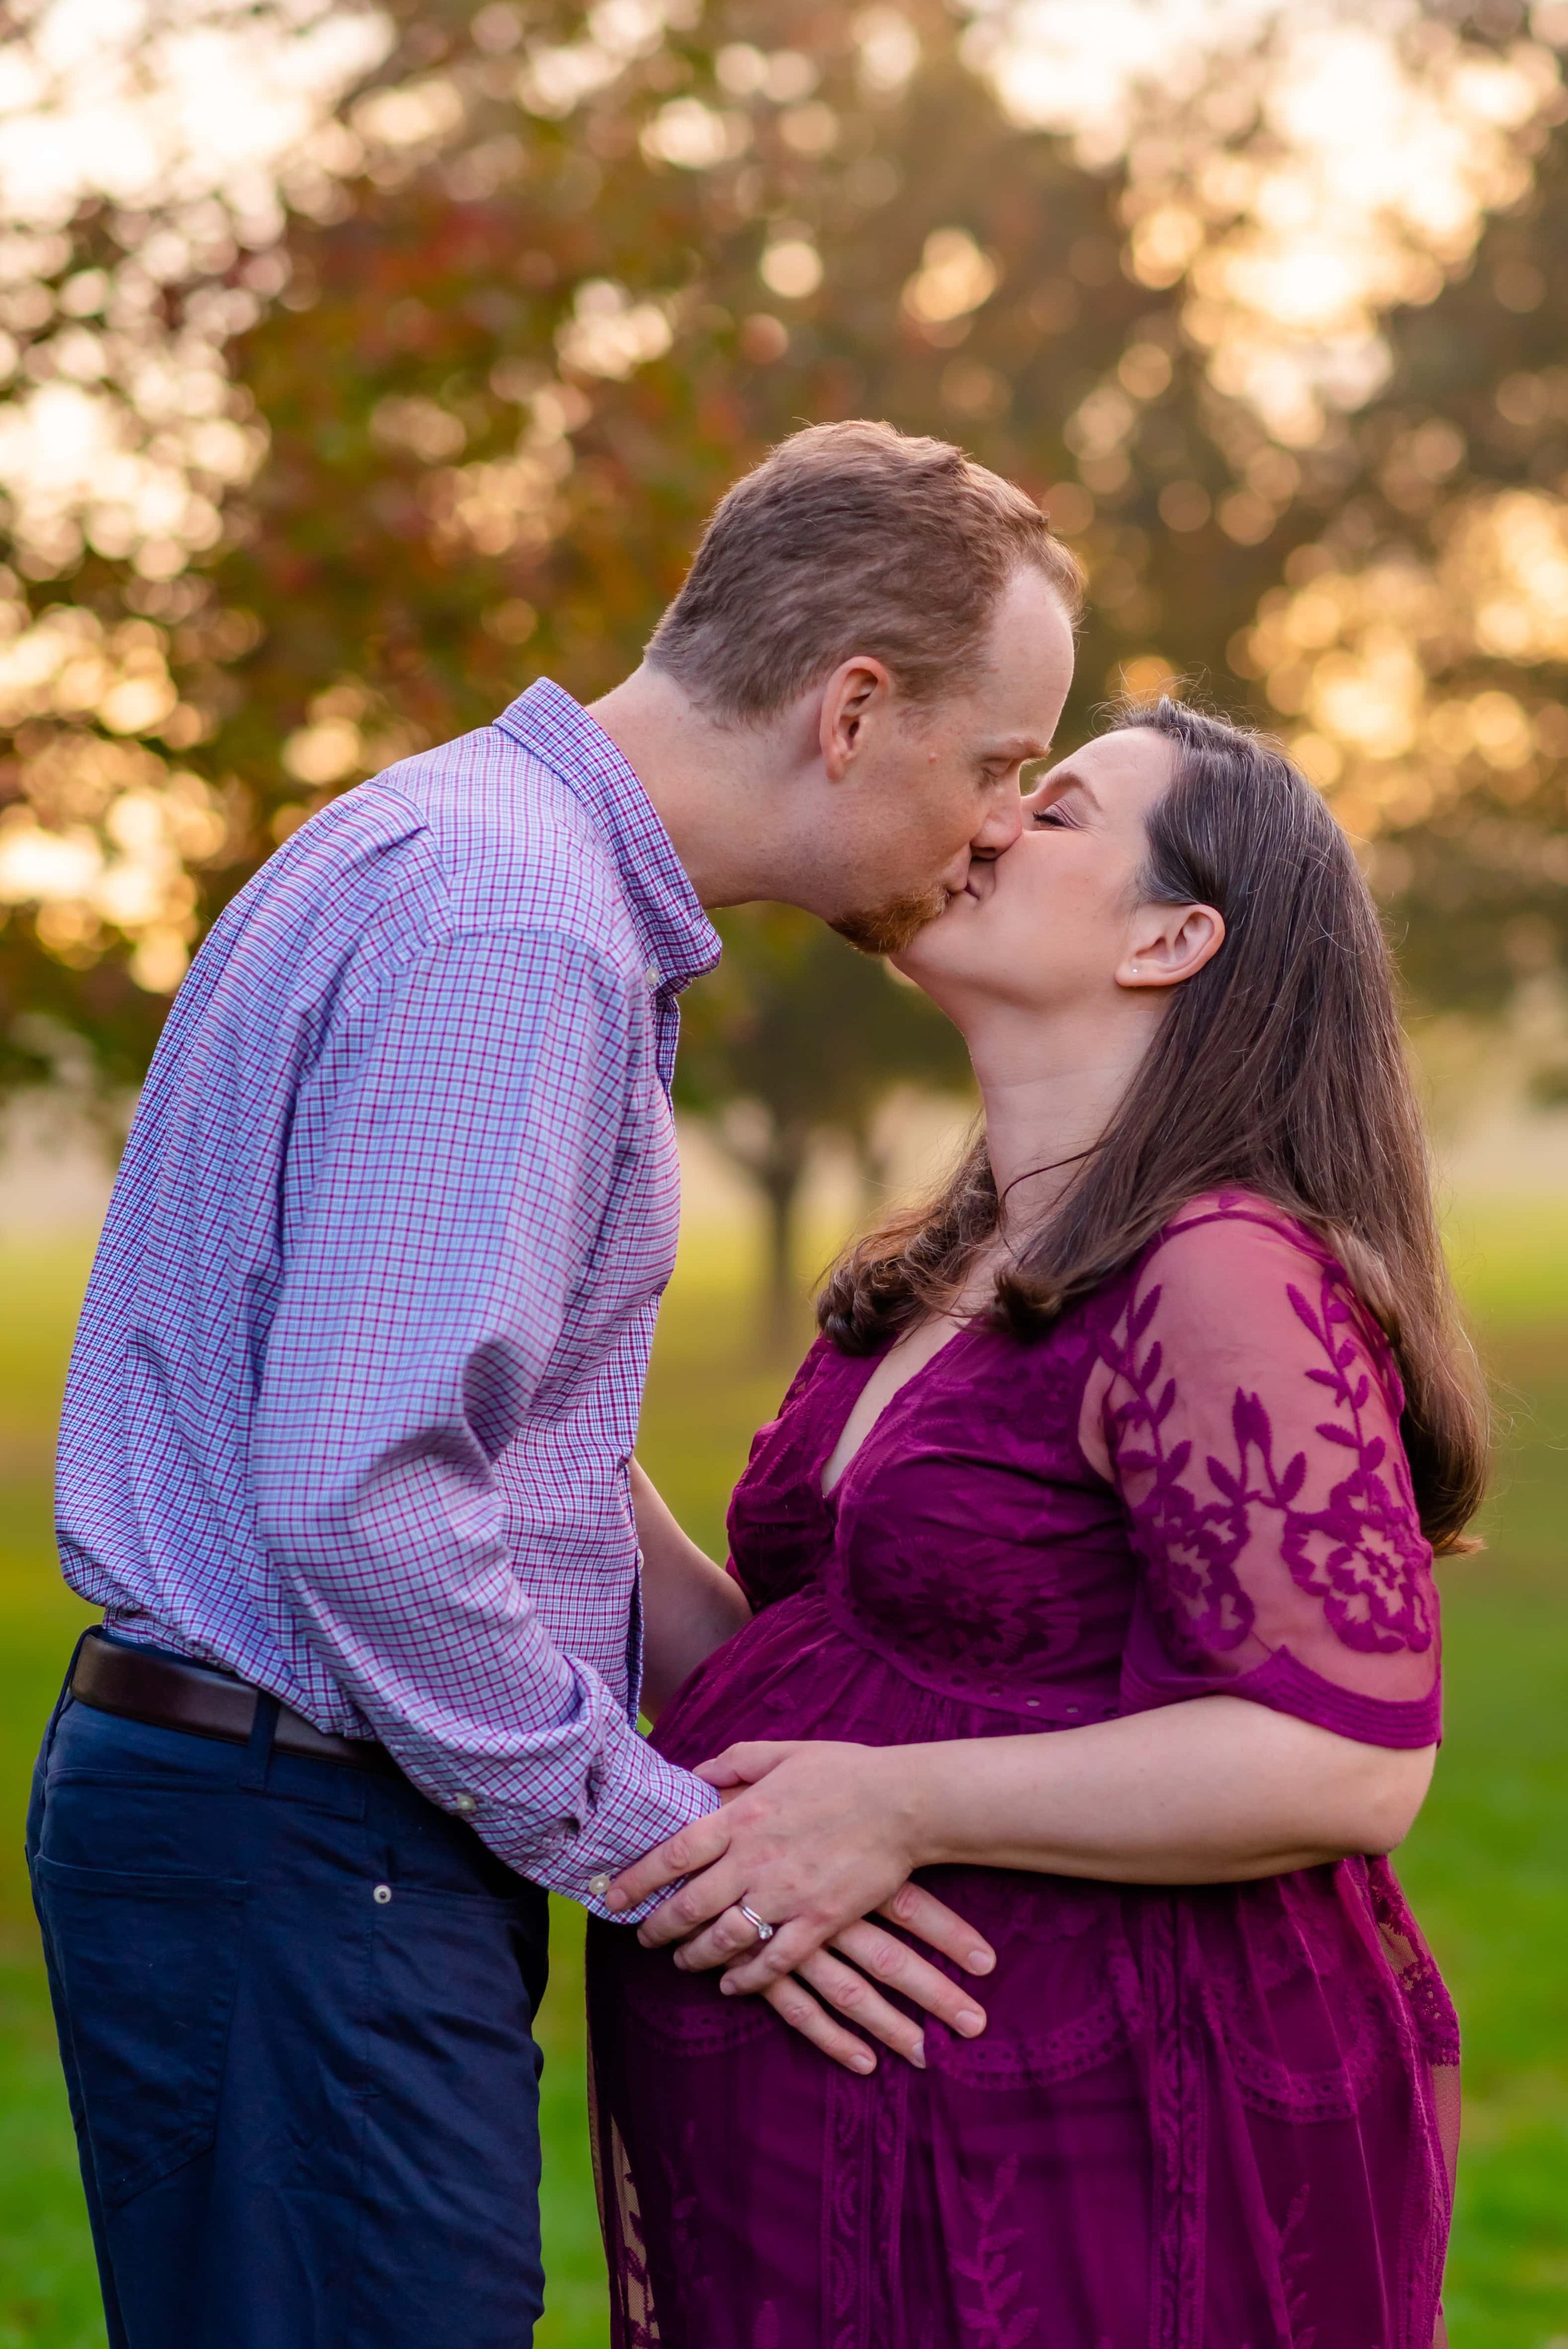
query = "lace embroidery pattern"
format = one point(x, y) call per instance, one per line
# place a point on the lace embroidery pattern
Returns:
point(1369, 2053)
point(1294, 2267)
point(863, 2192)
point(1073, 2048)
point(1361, 1552)
point(1426, 1996)
point(993, 2314)
point(1179, 2118)
point(621, 2217)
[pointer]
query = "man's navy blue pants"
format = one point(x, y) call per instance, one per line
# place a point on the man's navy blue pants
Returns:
point(295, 2007)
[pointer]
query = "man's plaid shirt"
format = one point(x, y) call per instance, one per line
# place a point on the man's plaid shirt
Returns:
point(359, 1374)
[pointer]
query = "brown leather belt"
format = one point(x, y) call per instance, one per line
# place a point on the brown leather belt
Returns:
point(166, 1695)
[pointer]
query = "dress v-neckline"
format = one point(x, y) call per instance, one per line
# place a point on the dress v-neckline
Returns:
point(828, 1493)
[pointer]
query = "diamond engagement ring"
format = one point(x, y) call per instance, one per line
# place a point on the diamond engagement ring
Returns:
point(765, 1931)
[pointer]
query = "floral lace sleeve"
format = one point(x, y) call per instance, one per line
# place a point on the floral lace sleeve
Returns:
point(1247, 1410)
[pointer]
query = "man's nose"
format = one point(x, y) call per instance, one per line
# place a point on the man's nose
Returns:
point(1000, 825)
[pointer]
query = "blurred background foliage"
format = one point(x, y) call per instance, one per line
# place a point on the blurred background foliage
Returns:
point(399, 355)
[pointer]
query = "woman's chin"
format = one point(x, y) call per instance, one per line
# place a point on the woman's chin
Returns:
point(948, 957)
point(913, 961)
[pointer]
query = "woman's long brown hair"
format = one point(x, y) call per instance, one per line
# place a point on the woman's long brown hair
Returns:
point(1279, 1068)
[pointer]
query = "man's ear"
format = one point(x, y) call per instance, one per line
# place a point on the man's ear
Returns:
point(1169, 943)
point(856, 688)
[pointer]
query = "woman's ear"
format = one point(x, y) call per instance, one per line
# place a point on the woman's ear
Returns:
point(1168, 943)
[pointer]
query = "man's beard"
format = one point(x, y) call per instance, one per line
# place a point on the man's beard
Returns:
point(887, 929)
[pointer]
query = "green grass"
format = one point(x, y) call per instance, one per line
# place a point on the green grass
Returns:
point(1487, 1869)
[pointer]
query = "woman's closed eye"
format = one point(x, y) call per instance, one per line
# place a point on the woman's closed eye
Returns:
point(1053, 815)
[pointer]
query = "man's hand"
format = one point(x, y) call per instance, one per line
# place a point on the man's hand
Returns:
point(813, 1836)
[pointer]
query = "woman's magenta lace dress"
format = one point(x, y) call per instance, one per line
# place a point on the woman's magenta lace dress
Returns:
point(1210, 2118)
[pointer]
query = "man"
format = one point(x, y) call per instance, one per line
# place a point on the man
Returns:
point(346, 1446)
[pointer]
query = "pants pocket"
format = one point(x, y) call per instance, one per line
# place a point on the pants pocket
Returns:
point(145, 1970)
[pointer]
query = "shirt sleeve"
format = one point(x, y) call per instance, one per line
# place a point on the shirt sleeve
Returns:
point(1249, 1410)
point(468, 1158)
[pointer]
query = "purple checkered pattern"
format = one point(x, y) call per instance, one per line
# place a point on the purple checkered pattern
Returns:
point(360, 1364)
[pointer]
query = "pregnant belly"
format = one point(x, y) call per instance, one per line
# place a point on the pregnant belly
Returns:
point(1084, 1968)
point(799, 1670)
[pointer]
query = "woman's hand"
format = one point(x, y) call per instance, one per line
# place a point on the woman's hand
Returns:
point(814, 1837)
point(810, 1838)
point(1216, 1790)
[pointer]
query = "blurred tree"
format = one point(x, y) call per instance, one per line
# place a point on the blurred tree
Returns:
point(1417, 646)
point(136, 246)
point(505, 384)
point(554, 278)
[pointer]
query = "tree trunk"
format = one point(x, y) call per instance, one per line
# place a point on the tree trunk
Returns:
point(777, 1164)
point(873, 1166)
point(781, 1190)
point(779, 1170)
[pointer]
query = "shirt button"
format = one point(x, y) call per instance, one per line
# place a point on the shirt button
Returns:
point(655, 977)
point(598, 1886)
point(382, 1894)
point(465, 1805)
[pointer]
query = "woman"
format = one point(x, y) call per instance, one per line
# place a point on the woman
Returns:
point(1094, 1537)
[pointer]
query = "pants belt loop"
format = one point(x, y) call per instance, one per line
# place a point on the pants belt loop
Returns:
point(258, 1758)
point(64, 1697)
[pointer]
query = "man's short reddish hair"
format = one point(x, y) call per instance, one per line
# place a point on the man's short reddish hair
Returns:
point(852, 538)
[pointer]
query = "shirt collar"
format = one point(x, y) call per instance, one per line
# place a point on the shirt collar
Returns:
point(682, 943)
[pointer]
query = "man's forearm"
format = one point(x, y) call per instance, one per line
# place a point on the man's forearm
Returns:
point(456, 1675)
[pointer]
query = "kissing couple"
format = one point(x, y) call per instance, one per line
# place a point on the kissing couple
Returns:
point(994, 1944)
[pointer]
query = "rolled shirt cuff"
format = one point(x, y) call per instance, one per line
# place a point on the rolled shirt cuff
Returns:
point(635, 1800)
